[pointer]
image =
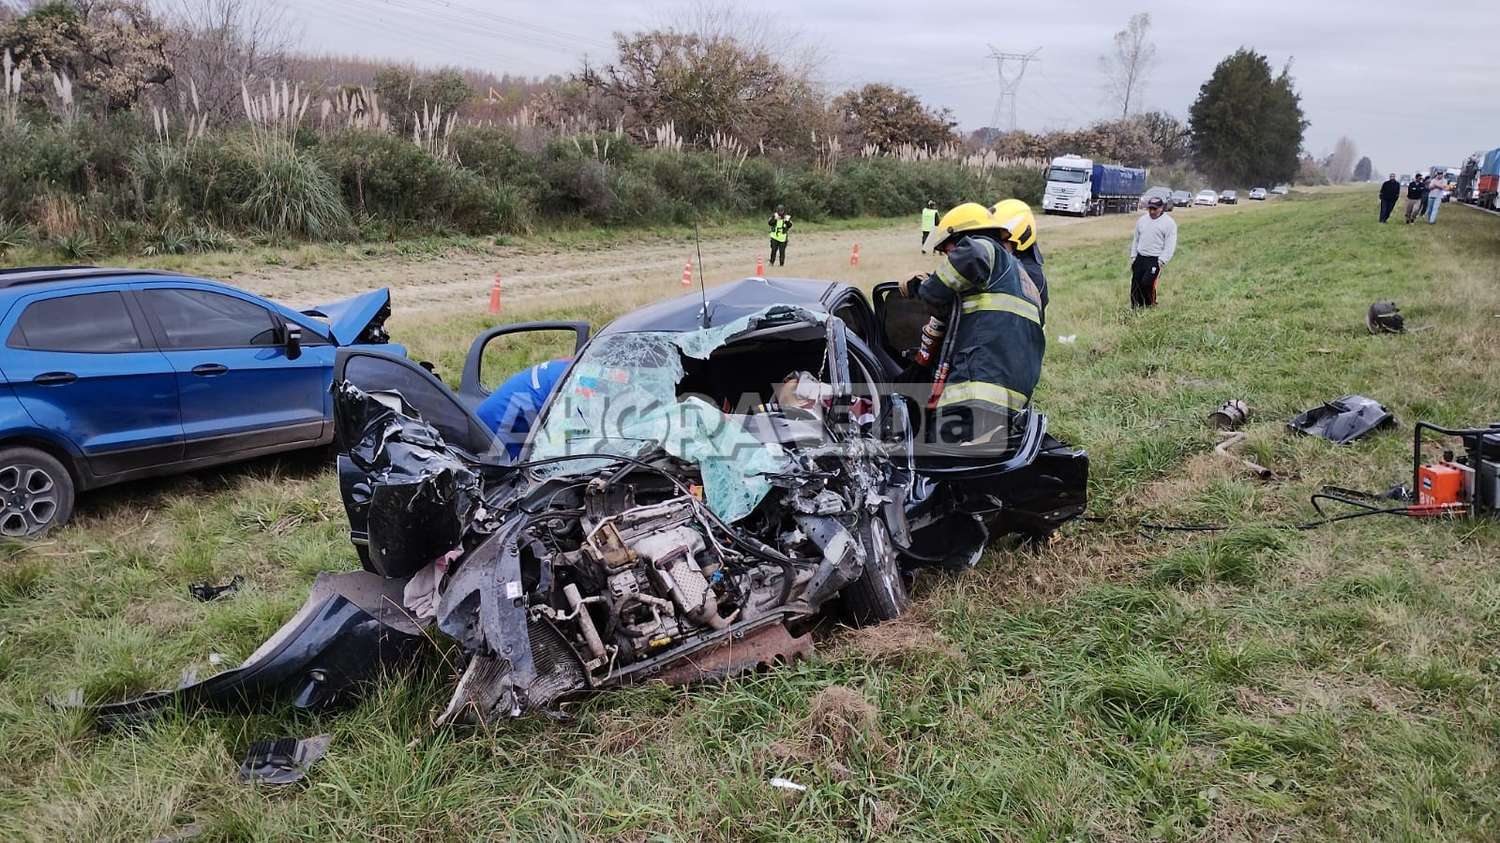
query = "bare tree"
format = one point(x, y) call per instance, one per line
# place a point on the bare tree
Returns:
point(1128, 66)
point(220, 43)
point(1340, 163)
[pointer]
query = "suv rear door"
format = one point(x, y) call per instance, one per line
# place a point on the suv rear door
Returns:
point(239, 390)
point(84, 364)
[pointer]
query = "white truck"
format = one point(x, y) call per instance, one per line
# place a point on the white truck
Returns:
point(1078, 185)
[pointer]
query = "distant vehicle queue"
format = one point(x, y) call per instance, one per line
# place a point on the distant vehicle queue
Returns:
point(1085, 187)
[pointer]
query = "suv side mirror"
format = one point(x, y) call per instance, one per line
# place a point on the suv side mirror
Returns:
point(293, 341)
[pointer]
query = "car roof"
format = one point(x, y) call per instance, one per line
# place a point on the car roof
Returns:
point(26, 276)
point(727, 302)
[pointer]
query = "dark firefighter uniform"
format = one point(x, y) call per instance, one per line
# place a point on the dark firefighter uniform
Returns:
point(996, 357)
point(1016, 218)
point(1031, 261)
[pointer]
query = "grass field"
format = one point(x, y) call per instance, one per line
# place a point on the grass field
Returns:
point(1260, 683)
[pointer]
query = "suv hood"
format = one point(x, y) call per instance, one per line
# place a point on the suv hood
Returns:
point(349, 319)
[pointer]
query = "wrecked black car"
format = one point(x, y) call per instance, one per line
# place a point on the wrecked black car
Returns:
point(711, 476)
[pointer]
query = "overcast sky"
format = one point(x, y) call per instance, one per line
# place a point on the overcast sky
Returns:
point(1413, 84)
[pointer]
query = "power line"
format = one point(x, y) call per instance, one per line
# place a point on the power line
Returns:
point(1009, 84)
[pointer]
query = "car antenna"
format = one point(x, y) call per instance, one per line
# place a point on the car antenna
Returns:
point(702, 288)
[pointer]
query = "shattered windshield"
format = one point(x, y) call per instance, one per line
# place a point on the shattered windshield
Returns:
point(621, 399)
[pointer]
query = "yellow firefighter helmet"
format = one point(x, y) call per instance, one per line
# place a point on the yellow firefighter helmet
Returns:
point(1015, 216)
point(963, 219)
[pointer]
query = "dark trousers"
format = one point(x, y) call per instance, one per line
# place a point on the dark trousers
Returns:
point(925, 235)
point(1143, 272)
point(1386, 206)
point(778, 247)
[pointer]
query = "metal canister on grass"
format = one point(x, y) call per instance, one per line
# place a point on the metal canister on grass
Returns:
point(1230, 415)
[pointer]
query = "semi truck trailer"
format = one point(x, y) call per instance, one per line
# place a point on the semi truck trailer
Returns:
point(1078, 185)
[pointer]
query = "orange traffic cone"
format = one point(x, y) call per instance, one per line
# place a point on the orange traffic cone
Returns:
point(760, 267)
point(495, 295)
point(687, 274)
point(854, 256)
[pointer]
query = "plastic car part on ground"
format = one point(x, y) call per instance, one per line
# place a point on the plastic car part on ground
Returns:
point(621, 398)
point(351, 628)
point(207, 591)
point(282, 760)
point(1343, 420)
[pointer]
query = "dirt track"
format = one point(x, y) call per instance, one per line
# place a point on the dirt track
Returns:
point(460, 280)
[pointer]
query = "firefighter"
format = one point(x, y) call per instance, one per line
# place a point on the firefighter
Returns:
point(780, 223)
point(929, 221)
point(1015, 216)
point(996, 354)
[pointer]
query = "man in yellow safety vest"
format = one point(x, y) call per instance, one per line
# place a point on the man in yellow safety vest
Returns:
point(781, 223)
point(929, 221)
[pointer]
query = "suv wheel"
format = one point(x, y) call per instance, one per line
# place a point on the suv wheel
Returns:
point(36, 492)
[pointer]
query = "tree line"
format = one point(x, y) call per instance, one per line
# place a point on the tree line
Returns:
point(186, 129)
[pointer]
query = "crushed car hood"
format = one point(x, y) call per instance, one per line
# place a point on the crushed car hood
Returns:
point(348, 318)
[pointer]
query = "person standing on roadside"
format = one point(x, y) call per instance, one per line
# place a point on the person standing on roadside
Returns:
point(1390, 191)
point(1153, 245)
point(1416, 194)
point(929, 222)
point(781, 225)
point(1436, 187)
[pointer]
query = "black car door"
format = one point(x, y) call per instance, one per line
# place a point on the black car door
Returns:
point(492, 356)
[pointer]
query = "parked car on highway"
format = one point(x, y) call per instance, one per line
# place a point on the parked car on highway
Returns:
point(1281, 189)
point(1206, 197)
point(1258, 193)
point(1181, 199)
point(110, 375)
point(1229, 197)
point(689, 502)
point(1162, 193)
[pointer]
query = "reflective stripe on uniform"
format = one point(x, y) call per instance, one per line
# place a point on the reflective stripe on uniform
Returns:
point(989, 393)
point(1004, 302)
point(951, 277)
point(535, 373)
point(989, 252)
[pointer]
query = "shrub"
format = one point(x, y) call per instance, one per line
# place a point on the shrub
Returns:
point(493, 154)
point(513, 211)
point(285, 190)
point(78, 246)
point(14, 234)
point(577, 186)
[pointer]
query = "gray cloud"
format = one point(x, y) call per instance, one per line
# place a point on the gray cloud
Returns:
point(1412, 84)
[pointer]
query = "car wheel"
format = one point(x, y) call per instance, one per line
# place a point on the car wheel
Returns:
point(880, 592)
point(36, 492)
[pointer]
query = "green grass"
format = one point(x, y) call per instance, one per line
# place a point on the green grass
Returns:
point(1113, 685)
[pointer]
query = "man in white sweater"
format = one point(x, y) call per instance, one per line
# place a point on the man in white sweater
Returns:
point(1154, 242)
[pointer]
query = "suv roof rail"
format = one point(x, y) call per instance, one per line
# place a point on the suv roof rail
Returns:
point(17, 275)
point(11, 270)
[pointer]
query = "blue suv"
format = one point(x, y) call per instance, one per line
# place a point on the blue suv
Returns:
point(108, 375)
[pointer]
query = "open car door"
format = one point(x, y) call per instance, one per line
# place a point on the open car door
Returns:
point(490, 362)
point(1031, 487)
point(386, 410)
